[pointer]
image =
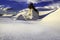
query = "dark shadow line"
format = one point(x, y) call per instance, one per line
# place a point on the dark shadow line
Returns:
point(42, 16)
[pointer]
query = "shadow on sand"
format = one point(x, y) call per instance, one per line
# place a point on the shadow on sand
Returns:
point(42, 16)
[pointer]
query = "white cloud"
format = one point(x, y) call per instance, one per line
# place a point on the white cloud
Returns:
point(34, 1)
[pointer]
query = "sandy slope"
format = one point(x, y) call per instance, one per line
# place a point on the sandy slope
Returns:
point(53, 18)
point(46, 29)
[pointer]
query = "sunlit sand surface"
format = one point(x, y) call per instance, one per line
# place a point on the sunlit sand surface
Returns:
point(47, 28)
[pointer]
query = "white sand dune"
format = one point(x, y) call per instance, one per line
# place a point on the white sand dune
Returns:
point(53, 18)
point(46, 29)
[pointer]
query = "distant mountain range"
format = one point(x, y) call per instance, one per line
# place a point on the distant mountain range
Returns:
point(21, 5)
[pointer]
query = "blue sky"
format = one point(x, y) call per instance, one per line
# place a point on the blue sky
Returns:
point(16, 4)
point(34, 1)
